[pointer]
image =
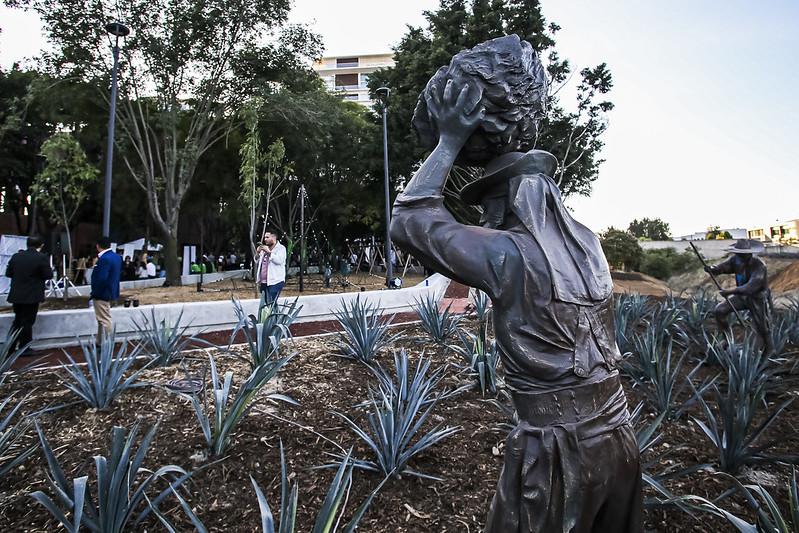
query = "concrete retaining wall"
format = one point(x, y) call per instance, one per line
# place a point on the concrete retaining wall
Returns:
point(62, 328)
point(711, 249)
point(85, 290)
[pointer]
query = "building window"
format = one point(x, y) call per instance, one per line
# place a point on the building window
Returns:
point(350, 97)
point(346, 62)
point(346, 81)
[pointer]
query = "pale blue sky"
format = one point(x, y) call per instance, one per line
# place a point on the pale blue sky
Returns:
point(703, 129)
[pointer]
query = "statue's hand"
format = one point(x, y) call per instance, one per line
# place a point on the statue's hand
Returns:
point(458, 113)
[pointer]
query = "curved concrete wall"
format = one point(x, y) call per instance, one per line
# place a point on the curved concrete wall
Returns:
point(63, 328)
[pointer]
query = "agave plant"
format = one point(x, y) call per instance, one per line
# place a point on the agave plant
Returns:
point(660, 378)
point(330, 513)
point(12, 451)
point(482, 306)
point(646, 439)
point(770, 518)
point(395, 415)
point(365, 331)
point(106, 379)
point(735, 435)
point(697, 311)
point(8, 357)
point(118, 493)
point(163, 341)
point(746, 366)
point(481, 357)
point(629, 311)
point(265, 333)
point(218, 427)
point(439, 325)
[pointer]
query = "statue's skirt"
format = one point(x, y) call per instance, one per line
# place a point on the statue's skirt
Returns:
point(571, 465)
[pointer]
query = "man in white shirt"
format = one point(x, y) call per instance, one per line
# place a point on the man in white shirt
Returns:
point(150, 268)
point(271, 267)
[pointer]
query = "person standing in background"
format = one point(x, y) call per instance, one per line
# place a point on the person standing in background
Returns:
point(105, 286)
point(29, 270)
point(272, 267)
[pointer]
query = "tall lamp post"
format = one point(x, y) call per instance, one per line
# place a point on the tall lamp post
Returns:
point(383, 105)
point(118, 30)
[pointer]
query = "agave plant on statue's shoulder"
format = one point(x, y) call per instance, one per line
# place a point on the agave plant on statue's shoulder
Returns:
point(365, 330)
point(106, 379)
point(395, 414)
point(119, 494)
point(12, 450)
point(331, 511)
point(438, 324)
point(163, 341)
point(218, 426)
point(266, 332)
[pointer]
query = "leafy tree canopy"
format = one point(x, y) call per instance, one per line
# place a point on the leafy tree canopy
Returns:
point(572, 136)
point(621, 249)
point(651, 229)
point(184, 70)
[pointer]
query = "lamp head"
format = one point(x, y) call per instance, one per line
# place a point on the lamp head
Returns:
point(118, 29)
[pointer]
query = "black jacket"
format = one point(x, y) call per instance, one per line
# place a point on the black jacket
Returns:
point(28, 271)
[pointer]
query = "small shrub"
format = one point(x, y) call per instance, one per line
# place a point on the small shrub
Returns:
point(106, 379)
point(365, 331)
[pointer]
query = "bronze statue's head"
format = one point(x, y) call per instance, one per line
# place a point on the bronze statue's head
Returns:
point(514, 87)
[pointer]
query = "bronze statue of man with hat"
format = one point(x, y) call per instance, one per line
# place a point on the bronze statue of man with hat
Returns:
point(572, 463)
point(751, 290)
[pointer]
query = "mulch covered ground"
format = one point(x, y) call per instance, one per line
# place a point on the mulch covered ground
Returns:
point(468, 463)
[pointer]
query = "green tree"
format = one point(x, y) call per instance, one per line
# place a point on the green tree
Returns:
point(621, 249)
point(572, 136)
point(64, 183)
point(184, 66)
point(665, 262)
point(33, 107)
point(652, 229)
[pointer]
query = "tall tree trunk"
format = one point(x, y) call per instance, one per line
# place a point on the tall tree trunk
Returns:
point(171, 258)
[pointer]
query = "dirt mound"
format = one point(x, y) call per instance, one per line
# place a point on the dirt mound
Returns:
point(631, 282)
point(787, 279)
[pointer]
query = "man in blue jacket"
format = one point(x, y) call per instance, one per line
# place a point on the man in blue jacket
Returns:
point(105, 286)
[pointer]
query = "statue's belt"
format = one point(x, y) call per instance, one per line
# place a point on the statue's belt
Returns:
point(572, 405)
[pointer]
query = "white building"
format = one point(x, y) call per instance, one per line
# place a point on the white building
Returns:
point(349, 76)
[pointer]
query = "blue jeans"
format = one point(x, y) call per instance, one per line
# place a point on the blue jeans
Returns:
point(272, 292)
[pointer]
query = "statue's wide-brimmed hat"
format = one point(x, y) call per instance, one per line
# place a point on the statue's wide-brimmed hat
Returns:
point(746, 246)
point(507, 166)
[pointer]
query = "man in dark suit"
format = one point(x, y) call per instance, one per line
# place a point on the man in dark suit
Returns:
point(28, 270)
point(105, 286)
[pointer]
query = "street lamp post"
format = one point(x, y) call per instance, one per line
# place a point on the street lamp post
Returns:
point(383, 106)
point(118, 30)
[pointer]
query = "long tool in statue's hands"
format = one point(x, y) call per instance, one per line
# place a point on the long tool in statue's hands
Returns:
point(456, 113)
